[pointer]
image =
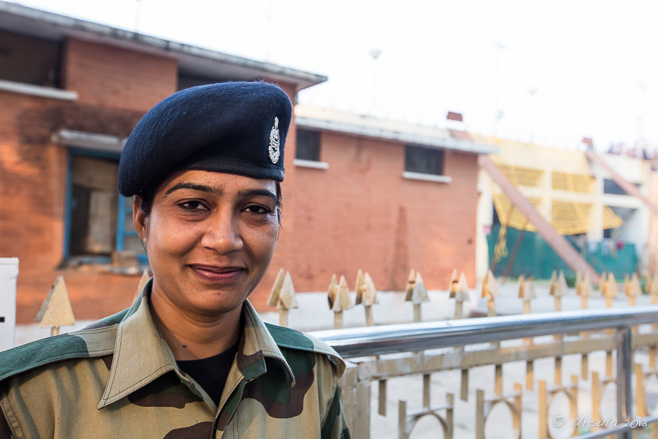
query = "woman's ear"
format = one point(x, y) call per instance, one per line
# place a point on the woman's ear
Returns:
point(139, 218)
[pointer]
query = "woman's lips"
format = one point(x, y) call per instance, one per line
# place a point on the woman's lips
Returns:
point(218, 274)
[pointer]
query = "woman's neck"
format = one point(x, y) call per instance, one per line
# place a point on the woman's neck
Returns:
point(191, 337)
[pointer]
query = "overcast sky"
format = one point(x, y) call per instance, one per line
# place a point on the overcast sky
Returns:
point(555, 71)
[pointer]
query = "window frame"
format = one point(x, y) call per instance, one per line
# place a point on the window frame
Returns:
point(47, 50)
point(122, 211)
point(412, 173)
point(314, 145)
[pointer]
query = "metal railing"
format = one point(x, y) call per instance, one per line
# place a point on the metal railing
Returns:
point(415, 337)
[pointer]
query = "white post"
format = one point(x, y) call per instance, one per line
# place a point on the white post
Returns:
point(8, 275)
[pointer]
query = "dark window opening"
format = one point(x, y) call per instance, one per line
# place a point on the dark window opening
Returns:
point(611, 187)
point(93, 206)
point(423, 160)
point(308, 145)
point(100, 220)
point(29, 60)
point(186, 80)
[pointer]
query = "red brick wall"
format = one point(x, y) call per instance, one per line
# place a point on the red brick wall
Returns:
point(32, 188)
point(114, 77)
point(115, 88)
point(362, 214)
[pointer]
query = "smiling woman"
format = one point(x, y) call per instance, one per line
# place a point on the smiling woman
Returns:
point(211, 237)
point(191, 357)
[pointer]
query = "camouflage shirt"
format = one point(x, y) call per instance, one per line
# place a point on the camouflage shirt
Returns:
point(118, 378)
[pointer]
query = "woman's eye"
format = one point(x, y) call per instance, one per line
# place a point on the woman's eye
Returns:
point(193, 205)
point(258, 209)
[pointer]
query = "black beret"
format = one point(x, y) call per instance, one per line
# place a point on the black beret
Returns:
point(233, 127)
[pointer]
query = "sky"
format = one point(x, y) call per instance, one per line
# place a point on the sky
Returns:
point(551, 72)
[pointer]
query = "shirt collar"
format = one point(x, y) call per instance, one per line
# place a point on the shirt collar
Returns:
point(257, 344)
point(141, 355)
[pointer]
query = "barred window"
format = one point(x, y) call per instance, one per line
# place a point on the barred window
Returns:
point(308, 145)
point(423, 160)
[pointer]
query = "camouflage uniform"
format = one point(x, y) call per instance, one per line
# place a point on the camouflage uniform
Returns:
point(118, 378)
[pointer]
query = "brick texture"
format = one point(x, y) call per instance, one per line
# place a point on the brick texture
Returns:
point(362, 214)
point(115, 88)
point(110, 76)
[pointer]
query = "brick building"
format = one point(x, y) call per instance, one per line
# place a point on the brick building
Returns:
point(359, 192)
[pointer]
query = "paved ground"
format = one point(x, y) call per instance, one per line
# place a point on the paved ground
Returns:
point(313, 314)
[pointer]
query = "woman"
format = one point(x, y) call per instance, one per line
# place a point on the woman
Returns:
point(191, 357)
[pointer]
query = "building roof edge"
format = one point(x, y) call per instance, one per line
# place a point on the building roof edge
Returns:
point(58, 25)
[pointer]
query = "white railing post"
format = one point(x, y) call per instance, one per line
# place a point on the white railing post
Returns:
point(8, 275)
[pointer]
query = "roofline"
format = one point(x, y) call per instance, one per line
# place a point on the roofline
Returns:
point(450, 143)
point(188, 56)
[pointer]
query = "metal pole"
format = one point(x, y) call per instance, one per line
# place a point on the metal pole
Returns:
point(624, 346)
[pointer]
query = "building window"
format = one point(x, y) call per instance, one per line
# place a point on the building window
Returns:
point(423, 160)
point(99, 219)
point(308, 145)
point(187, 80)
point(29, 60)
point(611, 187)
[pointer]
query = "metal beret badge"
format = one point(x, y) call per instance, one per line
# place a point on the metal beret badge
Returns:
point(275, 141)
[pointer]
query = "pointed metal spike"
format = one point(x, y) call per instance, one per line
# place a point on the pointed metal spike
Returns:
point(359, 287)
point(276, 289)
point(56, 310)
point(287, 298)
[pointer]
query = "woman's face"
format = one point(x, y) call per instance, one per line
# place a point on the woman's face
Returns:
point(209, 237)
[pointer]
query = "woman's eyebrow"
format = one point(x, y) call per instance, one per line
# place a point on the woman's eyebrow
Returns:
point(194, 187)
point(203, 188)
point(259, 192)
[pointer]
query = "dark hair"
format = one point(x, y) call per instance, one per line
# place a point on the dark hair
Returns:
point(147, 201)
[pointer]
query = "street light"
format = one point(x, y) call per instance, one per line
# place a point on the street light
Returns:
point(374, 54)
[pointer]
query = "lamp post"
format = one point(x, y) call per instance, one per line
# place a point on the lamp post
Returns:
point(374, 54)
point(498, 114)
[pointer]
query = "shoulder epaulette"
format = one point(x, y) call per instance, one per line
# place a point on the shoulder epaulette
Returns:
point(94, 341)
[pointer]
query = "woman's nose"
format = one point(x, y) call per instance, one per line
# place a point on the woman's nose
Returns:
point(223, 233)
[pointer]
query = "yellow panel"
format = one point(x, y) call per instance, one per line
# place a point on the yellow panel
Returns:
point(572, 182)
point(568, 218)
point(521, 176)
point(510, 215)
point(610, 219)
